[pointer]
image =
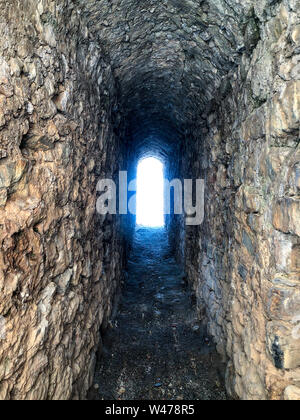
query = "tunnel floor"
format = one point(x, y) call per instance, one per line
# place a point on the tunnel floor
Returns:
point(155, 349)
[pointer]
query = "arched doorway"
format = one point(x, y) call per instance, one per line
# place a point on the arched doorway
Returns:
point(150, 193)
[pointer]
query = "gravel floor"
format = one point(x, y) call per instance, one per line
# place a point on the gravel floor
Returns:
point(155, 348)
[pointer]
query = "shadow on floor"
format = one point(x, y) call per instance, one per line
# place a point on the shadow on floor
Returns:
point(155, 348)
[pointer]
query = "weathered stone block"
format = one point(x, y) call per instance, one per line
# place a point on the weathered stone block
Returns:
point(38, 142)
point(290, 69)
point(295, 34)
point(286, 216)
point(285, 111)
point(283, 303)
point(272, 163)
point(248, 243)
point(64, 280)
point(285, 281)
point(254, 127)
point(243, 272)
point(252, 34)
point(283, 245)
point(6, 87)
point(292, 393)
point(256, 223)
point(274, 29)
point(49, 35)
point(61, 101)
point(283, 345)
point(3, 196)
point(294, 181)
point(295, 258)
point(262, 77)
point(11, 172)
point(252, 200)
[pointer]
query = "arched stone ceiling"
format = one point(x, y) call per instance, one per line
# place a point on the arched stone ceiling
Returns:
point(168, 57)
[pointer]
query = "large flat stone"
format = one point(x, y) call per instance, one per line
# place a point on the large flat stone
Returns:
point(283, 345)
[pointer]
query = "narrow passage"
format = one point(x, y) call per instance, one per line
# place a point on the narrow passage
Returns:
point(156, 348)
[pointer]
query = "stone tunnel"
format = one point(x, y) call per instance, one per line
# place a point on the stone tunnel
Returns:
point(89, 87)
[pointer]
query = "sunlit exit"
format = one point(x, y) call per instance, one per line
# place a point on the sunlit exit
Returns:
point(150, 193)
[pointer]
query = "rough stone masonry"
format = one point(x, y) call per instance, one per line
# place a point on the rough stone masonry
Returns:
point(88, 87)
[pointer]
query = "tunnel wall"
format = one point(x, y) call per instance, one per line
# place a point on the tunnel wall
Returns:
point(60, 264)
point(175, 222)
point(244, 260)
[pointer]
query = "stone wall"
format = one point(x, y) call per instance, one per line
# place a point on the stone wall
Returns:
point(244, 262)
point(60, 264)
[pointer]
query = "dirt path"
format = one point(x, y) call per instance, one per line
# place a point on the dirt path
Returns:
point(156, 349)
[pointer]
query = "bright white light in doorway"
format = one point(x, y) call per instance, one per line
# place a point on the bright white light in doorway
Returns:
point(150, 193)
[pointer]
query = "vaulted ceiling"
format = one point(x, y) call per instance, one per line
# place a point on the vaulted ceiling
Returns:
point(168, 57)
